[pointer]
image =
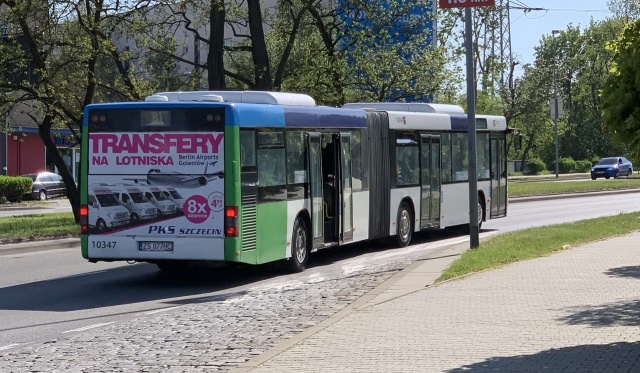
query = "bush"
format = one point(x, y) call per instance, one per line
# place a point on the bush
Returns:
point(583, 165)
point(14, 187)
point(566, 165)
point(536, 166)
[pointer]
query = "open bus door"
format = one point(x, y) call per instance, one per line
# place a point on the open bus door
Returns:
point(498, 177)
point(430, 181)
point(315, 180)
point(346, 214)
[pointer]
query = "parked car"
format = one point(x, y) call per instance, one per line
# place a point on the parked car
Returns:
point(46, 185)
point(612, 167)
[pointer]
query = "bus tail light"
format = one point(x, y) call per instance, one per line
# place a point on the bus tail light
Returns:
point(84, 219)
point(231, 221)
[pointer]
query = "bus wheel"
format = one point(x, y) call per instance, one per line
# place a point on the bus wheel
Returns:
point(299, 247)
point(101, 225)
point(404, 226)
point(480, 208)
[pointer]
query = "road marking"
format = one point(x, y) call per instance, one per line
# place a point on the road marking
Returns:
point(89, 327)
point(160, 310)
point(9, 346)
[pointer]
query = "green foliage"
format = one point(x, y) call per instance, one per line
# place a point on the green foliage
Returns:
point(583, 165)
point(28, 227)
point(536, 242)
point(621, 93)
point(14, 187)
point(536, 166)
point(537, 188)
point(566, 165)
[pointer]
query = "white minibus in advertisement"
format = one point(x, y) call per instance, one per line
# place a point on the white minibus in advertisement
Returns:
point(105, 211)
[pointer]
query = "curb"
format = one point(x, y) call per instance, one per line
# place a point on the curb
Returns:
point(573, 195)
point(35, 246)
point(360, 304)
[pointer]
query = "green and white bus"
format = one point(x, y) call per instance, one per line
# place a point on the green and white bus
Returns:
point(267, 176)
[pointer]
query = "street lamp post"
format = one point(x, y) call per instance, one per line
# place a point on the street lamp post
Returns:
point(555, 100)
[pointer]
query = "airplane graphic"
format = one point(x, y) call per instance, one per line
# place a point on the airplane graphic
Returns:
point(178, 180)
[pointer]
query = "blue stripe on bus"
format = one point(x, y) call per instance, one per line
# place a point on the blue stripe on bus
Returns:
point(258, 115)
point(459, 122)
point(314, 117)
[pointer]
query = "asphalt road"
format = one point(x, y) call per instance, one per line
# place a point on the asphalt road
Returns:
point(57, 296)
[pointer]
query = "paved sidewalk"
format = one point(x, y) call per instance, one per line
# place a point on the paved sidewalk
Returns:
point(574, 311)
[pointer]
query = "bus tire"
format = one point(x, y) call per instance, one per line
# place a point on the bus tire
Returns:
point(404, 225)
point(480, 209)
point(299, 247)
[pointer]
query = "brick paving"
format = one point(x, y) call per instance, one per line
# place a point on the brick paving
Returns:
point(574, 311)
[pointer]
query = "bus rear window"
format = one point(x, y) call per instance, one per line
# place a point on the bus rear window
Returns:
point(156, 120)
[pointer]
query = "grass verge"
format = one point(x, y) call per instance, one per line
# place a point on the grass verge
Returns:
point(528, 189)
point(540, 241)
point(29, 227)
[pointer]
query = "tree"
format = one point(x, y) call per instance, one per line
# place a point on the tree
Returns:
point(54, 54)
point(621, 92)
point(626, 9)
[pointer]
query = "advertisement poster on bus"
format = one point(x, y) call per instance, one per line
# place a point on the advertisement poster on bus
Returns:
point(170, 183)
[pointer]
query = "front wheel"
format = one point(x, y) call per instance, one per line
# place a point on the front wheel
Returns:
point(404, 226)
point(629, 172)
point(593, 177)
point(43, 195)
point(299, 247)
point(480, 208)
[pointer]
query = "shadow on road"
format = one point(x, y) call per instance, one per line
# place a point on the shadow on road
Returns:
point(143, 282)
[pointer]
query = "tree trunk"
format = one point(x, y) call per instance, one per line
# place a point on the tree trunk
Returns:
point(215, 56)
point(262, 70)
point(44, 130)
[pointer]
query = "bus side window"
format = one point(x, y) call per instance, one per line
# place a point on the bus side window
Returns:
point(446, 157)
point(296, 161)
point(356, 161)
point(247, 148)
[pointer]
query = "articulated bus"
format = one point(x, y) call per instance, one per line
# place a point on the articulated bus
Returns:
point(268, 176)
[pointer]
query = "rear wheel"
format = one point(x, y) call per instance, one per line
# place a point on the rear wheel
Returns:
point(593, 177)
point(42, 195)
point(629, 172)
point(404, 226)
point(299, 247)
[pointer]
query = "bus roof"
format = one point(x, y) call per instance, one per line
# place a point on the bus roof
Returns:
point(443, 122)
point(251, 97)
point(415, 107)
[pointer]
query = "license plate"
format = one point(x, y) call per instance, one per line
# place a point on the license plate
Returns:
point(155, 246)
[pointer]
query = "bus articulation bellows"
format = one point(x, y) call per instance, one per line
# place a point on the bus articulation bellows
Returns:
point(255, 177)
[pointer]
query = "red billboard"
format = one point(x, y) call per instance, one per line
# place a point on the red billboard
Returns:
point(465, 3)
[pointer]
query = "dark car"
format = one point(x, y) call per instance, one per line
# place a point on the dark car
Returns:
point(612, 167)
point(46, 185)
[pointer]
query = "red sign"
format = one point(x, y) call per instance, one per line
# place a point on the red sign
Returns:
point(465, 3)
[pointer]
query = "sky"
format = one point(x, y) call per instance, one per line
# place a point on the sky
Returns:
point(527, 28)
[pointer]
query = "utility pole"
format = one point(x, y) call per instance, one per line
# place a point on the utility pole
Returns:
point(555, 99)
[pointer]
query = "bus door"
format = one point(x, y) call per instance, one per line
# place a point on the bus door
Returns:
point(498, 178)
point(430, 181)
point(315, 180)
point(346, 214)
